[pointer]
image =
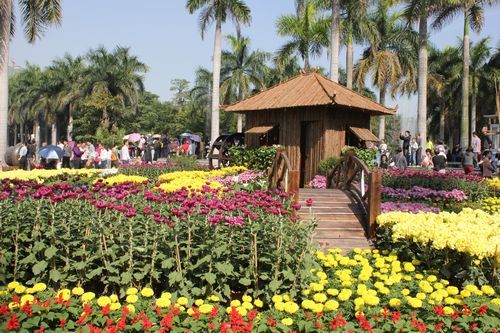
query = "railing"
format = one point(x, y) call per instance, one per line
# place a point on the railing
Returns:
point(353, 176)
point(281, 173)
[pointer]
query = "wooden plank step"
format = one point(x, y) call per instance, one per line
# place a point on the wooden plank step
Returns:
point(339, 233)
point(339, 224)
point(345, 243)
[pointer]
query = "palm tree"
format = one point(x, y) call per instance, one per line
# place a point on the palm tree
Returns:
point(443, 80)
point(242, 72)
point(420, 11)
point(390, 59)
point(117, 75)
point(68, 71)
point(473, 12)
point(479, 56)
point(309, 34)
point(218, 11)
point(201, 94)
point(36, 16)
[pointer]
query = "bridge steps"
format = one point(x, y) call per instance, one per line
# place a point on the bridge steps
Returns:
point(339, 219)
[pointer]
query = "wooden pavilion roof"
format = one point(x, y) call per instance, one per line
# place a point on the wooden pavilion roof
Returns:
point(308, 89)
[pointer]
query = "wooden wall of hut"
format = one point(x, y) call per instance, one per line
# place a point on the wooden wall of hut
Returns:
point(322, 131)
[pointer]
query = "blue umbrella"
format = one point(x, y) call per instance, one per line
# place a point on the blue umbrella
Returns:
point(51, 152)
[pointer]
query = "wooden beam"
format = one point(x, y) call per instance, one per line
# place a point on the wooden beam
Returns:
point(374, 202)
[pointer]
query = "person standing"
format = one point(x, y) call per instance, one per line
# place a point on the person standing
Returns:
point(414, 149)
point(115, 156)
point(485, 140)
point(66, 154)
point(124, 153)
point(469, 161)
point(23, 156)
point(77, 156)
point(406, 137)
point(486, 164)
point(476, 145)
point(30, 156)
point(157, 149)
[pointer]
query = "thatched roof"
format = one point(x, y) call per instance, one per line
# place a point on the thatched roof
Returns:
point(308, 89)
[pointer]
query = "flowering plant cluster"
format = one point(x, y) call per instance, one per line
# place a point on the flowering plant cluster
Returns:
point(364, 292)
point(41, 175)
point(491, 205)
point(494, 183)
point(464, 245)
point(109, 236)
point(318, 182)
point(432, 175)
point(173, 181)
point(423, 193)
point(408, 207)
point(122, 179)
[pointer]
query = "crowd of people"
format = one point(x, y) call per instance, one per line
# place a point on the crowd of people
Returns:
point(439, 157)
point(88, 154)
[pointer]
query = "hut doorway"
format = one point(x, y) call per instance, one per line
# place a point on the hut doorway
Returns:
point(310, 149)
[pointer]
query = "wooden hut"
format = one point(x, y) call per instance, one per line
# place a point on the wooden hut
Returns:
point(311, 116)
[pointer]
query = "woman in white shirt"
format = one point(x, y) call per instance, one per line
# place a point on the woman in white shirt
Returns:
point(105, 157)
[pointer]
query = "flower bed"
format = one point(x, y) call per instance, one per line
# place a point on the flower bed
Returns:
point(106, 237)
point(491, 205)
point(408, 207)
point(364, 292)
point(318, 182)
point(173, 181)
point(41, 175)
point(465, 245)
point(423, 193)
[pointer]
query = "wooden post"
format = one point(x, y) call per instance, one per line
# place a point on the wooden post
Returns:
point(374, 202)
point(294, 183)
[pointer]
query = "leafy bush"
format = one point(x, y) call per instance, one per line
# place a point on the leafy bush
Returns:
point(107, 238)
point(328, 164)
point(260, 158)
point(366, 155)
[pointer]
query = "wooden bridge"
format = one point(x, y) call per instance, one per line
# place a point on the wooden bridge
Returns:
point(346, 211)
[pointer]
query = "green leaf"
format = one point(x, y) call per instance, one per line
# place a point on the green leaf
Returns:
point(94, 273)
point(174, 277)
point(55, 275)
point(39, 267)
point(210, 278)
point(168, 263)
point(225, 268)
point(126, 278)
point(274, 285)
point(245, 281)
point(50, 252)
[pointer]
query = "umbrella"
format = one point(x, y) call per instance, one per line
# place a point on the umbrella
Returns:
point(51, 152)
point(185, 134)
point(157, 136)
point(134, 137)
point(195, 138)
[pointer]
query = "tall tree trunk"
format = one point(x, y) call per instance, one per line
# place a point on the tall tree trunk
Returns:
point(422, 80)
point(239, 121)
point(381, 124)
point(473, 106)
point(5, 18)
point(70, 121)
point(53, 133)
point(15, 133)
point(105, 118)
point(36, 132)
point(208, 115)
point(349, 60)
point(214, 133)
point(21, 132)
point(442, 122)
point(306, 61)
point(335, 41)
point(464, 137)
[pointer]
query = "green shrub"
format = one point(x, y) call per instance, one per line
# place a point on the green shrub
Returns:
point(328, 164)
point(366, 155)
point(260, 158)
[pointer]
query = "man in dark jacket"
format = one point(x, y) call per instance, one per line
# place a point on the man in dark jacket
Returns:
point(30, 156)
point(406, 137)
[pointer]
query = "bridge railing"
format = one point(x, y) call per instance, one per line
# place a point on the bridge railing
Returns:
point(364, 185)
point(281, 173)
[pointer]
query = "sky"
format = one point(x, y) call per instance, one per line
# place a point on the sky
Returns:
point(167, 38)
